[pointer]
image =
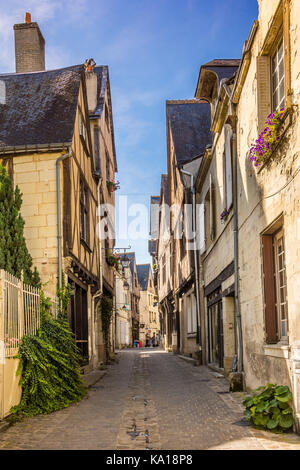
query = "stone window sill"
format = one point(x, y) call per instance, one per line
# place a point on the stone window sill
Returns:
point(191, 335)
point(277, 350)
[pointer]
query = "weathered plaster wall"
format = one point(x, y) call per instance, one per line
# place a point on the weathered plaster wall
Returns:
point(263, 196)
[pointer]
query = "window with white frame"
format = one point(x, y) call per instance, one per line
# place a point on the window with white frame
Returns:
point(278, 78)
point(191, 312)
point(280, 278)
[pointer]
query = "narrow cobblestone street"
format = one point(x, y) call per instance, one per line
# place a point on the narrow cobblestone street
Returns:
point(149, 400)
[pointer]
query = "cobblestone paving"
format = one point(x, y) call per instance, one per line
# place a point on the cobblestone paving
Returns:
point(149, 400)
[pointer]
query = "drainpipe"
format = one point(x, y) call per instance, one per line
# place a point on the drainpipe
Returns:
point(187, 173)
point(58, 201)
point(99, 292)
point(236, 253)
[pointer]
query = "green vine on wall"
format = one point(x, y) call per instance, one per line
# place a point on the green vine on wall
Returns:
point(49, 363)
point(106, 310)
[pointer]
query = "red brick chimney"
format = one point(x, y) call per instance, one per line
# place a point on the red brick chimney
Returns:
point(29, 47)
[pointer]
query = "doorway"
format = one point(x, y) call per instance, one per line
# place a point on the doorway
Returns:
point(215, 331)
point(79, 320)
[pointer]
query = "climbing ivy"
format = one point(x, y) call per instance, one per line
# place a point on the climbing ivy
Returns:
point(49, 363)
point(106, 310)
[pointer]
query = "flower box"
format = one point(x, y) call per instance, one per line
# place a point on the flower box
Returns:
point(271, 137)
point(111, 186)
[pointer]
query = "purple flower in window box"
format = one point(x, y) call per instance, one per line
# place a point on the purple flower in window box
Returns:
point(224, 215)
point(270, 136)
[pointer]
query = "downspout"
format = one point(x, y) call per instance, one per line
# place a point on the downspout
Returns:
point(99, 292)
point(58, 201)
point(236, 252)
point(238, 319)
point(195, 255)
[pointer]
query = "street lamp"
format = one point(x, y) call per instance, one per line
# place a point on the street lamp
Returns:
point(125, 261)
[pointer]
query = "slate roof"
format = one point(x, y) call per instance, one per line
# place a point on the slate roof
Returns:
point(39, 108)
point(190, 123)
point(143, 272)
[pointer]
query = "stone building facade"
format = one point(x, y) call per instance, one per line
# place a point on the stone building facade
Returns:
point(149, 331)
point(268, 198)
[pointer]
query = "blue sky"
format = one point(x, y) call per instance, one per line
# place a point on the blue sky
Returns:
point(154, 49)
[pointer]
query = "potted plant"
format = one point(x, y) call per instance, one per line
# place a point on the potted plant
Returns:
point(112, 186)
point(113, 260)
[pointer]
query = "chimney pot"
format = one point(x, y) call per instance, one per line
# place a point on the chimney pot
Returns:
point(27, 17)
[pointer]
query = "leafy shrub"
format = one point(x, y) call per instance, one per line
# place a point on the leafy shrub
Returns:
point(50, 370)
point(49, 362)
point(269, 409)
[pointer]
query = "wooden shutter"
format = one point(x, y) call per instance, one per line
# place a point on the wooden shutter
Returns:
point(269, 290)
point(263, 90)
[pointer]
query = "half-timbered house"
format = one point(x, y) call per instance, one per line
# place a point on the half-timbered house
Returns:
point(47, 147)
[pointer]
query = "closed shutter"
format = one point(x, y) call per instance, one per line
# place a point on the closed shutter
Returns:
point(263, 90)
point(269, 290)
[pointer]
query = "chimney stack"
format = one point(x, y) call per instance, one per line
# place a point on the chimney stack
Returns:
point(91, 84)
point(29, 47)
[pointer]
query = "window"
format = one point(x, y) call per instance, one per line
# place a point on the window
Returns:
point(227, 169)
point(97, 149)
point(278, 77)
point(81, 124)
point(209, 214)
point(182, 241)
point(191, 313)
point(106, 116)
point(164, 269)
point(280, 280)
point(107, 166)
point(274, 274)
point(84, 212)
